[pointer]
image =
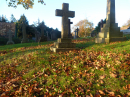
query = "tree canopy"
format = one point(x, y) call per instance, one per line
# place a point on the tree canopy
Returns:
point(26, 3)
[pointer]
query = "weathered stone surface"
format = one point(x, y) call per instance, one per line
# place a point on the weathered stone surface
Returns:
point(53, 35)
point(69, 34)
point(37, 35)
point(25, 39)
point(64, 43)
point(76, 33)
point(10, 38)
point(110, 31)
point(43, 37)
point(65, 13)
point(48, 38)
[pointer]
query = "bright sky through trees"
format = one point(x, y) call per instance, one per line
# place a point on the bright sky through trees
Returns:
point(93, 10)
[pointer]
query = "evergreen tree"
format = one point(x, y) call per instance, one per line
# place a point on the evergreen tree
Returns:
point(12, 19)
point(3, 19)
point(22, 19)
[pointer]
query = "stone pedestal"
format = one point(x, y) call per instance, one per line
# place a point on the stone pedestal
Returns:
point(110, 31)
point(63, 44)
point(43, 39)
point(24, 40)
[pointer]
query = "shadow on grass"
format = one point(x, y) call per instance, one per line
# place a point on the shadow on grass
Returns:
point(8, 47)
point(16, 54)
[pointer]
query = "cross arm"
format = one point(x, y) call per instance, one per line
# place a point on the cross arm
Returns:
point(71, 14)
point(59, 12)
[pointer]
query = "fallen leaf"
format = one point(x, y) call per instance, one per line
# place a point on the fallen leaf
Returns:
point(101, 92)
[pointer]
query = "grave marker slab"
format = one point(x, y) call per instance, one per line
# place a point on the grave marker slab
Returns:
point(48, 39)
point(110, 31)
point(25, 39)
point(69, 28)
point(10, 37)
point(64, 43)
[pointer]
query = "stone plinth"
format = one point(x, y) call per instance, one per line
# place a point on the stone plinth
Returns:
point(63, 45)
point(110, 31)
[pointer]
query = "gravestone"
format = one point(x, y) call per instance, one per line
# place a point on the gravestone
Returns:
point(77, 32)
point(10, 37)
point(37, 35)
point(101, 24)
point(48, 38)
point(64, 43)
point(69, 34)
point(25, 39)
point(110, 31)
point(53, 35)
point(43, 37)
point(75, 36)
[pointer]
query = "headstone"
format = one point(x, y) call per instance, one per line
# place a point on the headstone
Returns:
point(110, 31)
point(69, 34)
point(53, 35)
point(43, 37)
point(101, 24)
point(10, 37)
point(25, 39)
point(64, 43)
point(48, 38)
point(75, 36)
point(77, 32)
point(37, 35)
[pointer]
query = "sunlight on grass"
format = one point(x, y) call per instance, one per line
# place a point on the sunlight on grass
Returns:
point(96, 68)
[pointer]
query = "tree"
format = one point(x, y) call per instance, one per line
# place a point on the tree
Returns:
point(127, 24)
point(26, 3)
point(3, 19)
point(85, 27)
point(12, 19)
point(22, 19)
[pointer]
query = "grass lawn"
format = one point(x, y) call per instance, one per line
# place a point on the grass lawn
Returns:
point(32, 70)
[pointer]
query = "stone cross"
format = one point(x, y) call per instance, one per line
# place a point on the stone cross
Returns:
point(65, 13)
point(77, 31)
point(69, 28)
point(10, 37)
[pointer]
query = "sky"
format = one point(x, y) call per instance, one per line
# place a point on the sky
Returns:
point(93, 10)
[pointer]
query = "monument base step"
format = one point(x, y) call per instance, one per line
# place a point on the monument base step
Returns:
point(108, 40)
point(62, 49)
point(64, 45)
point(62, 40)
point(24, 40)
point(10, 42)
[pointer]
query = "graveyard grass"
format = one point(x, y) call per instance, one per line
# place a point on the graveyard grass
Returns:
point(31, 69)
